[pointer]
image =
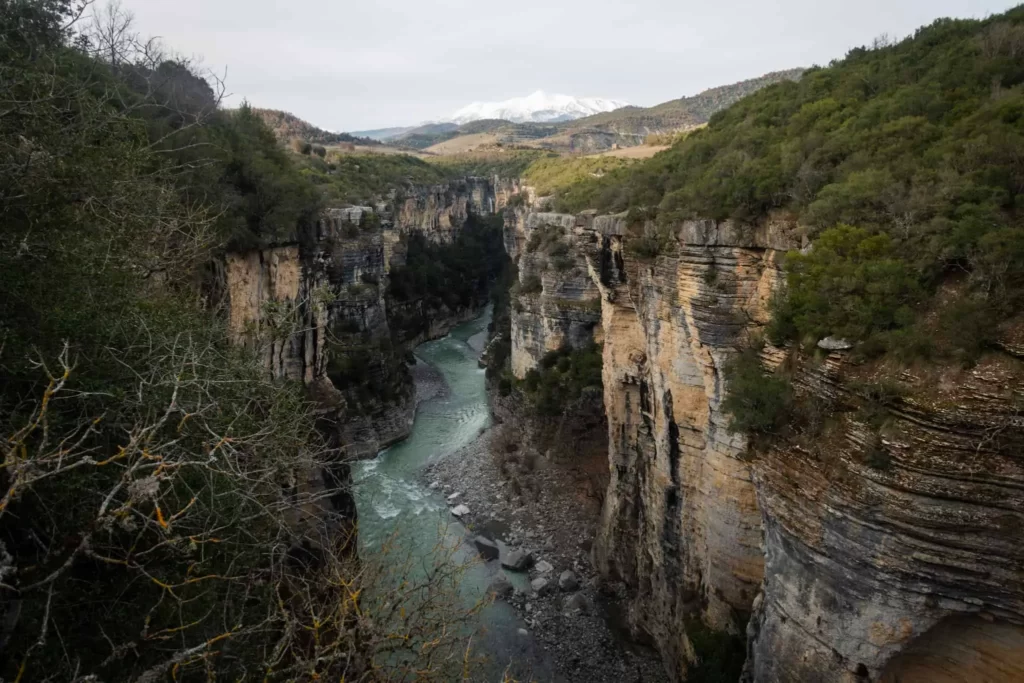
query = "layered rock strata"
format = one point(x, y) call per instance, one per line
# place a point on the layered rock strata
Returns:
point(862, 554)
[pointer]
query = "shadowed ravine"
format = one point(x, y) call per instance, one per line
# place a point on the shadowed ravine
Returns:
point(392, 500)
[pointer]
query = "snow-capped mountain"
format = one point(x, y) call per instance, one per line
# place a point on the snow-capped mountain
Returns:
point(539, 107)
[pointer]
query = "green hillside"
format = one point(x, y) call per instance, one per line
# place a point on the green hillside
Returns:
point(919, 145)
point(686, 112)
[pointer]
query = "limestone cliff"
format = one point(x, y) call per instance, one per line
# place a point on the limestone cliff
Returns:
point(316, 310)
point(558, 303)
point(895, 547)
point(851, 571)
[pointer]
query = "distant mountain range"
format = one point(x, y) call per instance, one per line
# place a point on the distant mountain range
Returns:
point(554, 122)
point(538, 107)
point(622, 126)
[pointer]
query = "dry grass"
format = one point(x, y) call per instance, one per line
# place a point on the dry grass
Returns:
point(463, 143)
point(640, 152)
point(374, 149)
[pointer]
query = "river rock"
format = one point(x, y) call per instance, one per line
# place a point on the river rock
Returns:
point(567, 581)
point(540, 586)
point(460, 510)
point(835, 344)
point(517, 560)
point(452, 498)
point(576, 602)
point(544, 567)
point(486, 547)
point(501, 587)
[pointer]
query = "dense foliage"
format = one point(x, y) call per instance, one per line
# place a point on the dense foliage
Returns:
point(919, 143)
point(758, 401)
point(501, 162)
point(551, 174)
point(561, 378)
point(365, 179)
point(446, 277)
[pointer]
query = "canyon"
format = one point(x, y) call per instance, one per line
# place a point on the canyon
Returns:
point(831, 568)
point(323, 296)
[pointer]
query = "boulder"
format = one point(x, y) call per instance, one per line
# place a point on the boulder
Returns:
point(486, 547)
point(540, 586)
point(567, 581)
point(452, 498)
point(544, 567)
point(517, 560)
point(501, 587)
point(835, 344)
point(576, 602)
point(460, 510)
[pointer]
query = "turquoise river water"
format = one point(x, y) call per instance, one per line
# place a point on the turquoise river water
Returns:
point(393, 502)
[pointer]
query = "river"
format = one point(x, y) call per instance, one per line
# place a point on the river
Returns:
point(393, 501)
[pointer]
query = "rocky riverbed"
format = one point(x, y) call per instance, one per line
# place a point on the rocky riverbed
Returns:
point(540, 518)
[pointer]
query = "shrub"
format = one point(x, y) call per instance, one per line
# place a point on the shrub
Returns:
point(300, 146)
point(531, 284)
point(850, 285)
point(719, 655)
point(563, 263)
point(757, 402)
point(319, 150)
point(561, 378)
point(643, 247)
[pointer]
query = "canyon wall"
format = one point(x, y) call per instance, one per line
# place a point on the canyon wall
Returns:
point(316, 309)
point(838, 565)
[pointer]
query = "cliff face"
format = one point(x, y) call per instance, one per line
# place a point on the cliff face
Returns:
point(838, 570)
point(317, 310)
point(558, 303)
point(681, 521)
point(908, 568)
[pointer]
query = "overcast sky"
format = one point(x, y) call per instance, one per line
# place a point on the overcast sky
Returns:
point(347, 65)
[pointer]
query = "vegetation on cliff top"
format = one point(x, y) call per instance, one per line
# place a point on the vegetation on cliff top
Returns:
point(501, 162)
point(917, 144)
point(365, 179)
point(548, 175)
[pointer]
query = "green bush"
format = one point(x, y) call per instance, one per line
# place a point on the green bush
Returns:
point(719, 655)
point(531, 284)
point(562, 377)
point(757, 402)
point(850, 284)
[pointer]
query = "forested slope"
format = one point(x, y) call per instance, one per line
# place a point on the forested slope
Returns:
point(905, 163)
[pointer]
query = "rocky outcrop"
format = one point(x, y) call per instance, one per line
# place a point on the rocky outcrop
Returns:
point(557, 303)
point(860, 554)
